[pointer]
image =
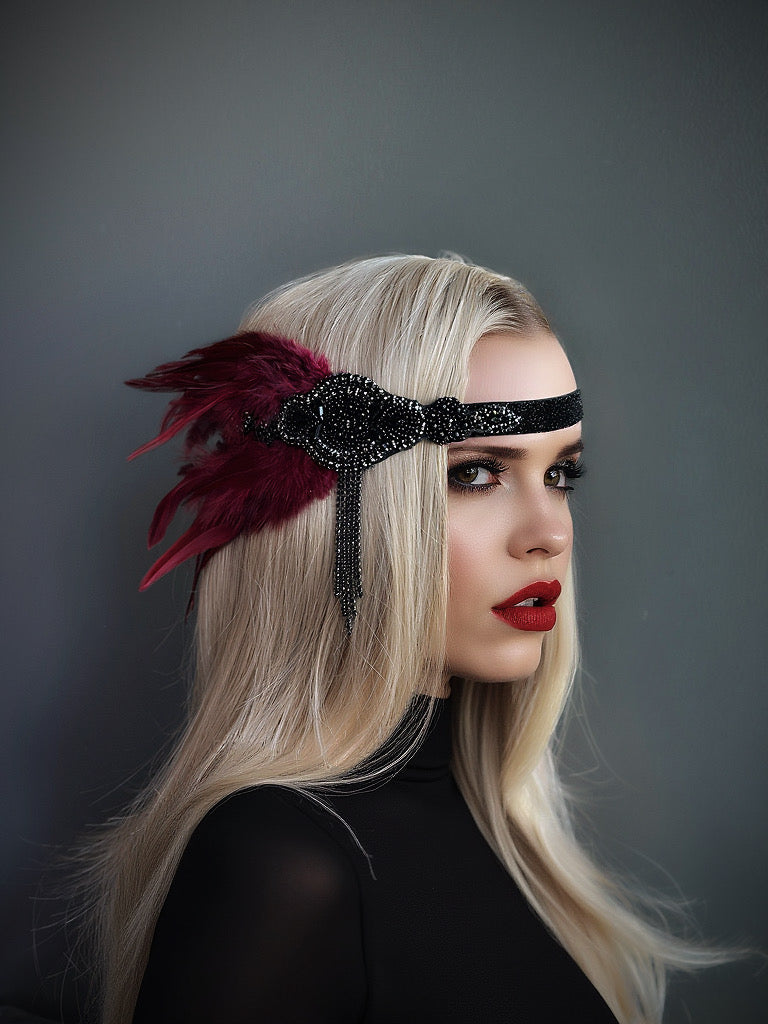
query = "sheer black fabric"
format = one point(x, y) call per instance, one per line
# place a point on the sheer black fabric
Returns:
point(276, 915)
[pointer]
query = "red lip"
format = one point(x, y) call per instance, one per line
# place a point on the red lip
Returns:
point(539, 618)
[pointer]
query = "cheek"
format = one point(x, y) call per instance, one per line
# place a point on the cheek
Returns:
point(473, 552)
point(461, 556)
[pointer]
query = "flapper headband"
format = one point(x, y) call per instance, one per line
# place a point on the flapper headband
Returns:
point(286, 430)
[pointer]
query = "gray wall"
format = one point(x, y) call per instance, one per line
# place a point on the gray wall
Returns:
point(166, 163)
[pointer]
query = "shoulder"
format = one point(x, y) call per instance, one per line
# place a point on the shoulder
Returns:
point(271, 835)
point(263, 917)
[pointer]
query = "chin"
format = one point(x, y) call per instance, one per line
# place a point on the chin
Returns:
point(501, 666)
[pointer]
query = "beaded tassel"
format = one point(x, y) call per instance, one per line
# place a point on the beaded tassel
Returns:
point(348, 573)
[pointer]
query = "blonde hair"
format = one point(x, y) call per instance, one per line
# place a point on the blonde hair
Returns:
point(281, 696)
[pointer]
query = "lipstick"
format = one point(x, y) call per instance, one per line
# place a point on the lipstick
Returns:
point(531, 608)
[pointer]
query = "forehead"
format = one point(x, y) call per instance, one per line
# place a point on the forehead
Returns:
point(507, 367)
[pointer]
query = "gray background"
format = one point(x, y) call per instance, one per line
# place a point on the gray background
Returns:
point(167, 163)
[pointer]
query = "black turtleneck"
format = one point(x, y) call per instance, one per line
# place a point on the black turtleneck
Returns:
point(280, 914)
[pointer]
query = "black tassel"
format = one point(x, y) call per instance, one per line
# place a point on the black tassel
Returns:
point(348, 577)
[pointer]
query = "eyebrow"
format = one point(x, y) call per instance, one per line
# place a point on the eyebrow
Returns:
point(576, 448)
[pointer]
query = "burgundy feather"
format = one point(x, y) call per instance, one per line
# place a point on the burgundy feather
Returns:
point(234, 483)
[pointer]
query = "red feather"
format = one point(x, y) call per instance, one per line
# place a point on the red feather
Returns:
point(236, 484)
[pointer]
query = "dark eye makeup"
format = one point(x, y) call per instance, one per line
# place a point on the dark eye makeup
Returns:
point(464, 475)
point(568, 469)
point(472, 475)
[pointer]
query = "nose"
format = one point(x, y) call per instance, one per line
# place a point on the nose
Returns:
point(540, 527)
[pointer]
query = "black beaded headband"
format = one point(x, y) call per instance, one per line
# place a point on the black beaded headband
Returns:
point(348, 423)
point(270, 429)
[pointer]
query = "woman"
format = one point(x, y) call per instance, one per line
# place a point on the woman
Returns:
point(362, 819)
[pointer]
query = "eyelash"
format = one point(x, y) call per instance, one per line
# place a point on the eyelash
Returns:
point(570, 469)
point(492, 465)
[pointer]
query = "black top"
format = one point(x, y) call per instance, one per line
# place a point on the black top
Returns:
point(276, 915)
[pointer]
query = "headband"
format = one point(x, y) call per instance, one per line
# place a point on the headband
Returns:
point(287, 429)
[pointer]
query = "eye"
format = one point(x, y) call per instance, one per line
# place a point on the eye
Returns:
point(557, 475)
point(478, 475)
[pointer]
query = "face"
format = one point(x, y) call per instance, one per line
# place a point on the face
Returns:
point(509, 524)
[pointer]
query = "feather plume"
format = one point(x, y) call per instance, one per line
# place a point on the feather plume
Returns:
point(234, 483)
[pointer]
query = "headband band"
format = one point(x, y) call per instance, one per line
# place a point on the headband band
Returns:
point(349, 421)
point(256, 392)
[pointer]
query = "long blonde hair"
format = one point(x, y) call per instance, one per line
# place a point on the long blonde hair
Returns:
point(282, 696)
